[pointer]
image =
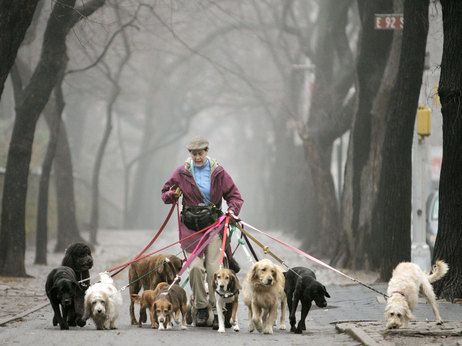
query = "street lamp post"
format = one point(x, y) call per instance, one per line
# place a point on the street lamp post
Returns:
point(420, 251)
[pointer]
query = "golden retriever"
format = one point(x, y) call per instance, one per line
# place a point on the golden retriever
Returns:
point(263, 291)
point(159, 268)
point(403, 292)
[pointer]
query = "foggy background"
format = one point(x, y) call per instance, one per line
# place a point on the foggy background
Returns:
point(232, 71)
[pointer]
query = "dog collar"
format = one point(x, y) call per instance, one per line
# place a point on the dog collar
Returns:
point(226, 294)
point(398, 292)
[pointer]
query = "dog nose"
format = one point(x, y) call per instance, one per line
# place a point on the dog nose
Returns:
point(99, 311)
point(222, 286)
point(67, 302)
point(270, 280)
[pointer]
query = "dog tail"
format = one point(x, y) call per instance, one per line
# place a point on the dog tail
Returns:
point(440, 268)
point(105, 278)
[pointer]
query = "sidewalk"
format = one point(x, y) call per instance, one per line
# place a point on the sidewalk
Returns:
point(349, 304)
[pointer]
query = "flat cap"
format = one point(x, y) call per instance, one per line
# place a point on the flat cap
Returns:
point(198, 143)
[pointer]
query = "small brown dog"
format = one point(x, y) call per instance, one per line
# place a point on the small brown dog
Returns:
point(161, 268)
point(168, 305)
point(226, 286)
point(146, 301)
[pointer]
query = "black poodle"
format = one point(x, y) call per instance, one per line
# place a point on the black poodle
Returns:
point(62, 289)
point(301, 285)
point(78, 257)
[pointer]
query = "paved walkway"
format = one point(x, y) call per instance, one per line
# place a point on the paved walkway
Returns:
point(348, 305)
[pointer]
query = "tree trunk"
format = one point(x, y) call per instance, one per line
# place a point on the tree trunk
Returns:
point(94, 218)
point(15, 18)
point(372, 57)
point(53, 56)
point(448, 245)
point(320, 130)
point(393, 214)
point(42, 205)
point(68, 230)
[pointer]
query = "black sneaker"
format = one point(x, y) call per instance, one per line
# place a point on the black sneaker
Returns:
point(215, 324)
point(202, 317)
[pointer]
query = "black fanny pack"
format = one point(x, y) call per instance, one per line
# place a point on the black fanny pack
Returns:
point(197, 217)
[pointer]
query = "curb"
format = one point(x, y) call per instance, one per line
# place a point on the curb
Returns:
point(357, 334)
point(22, 314)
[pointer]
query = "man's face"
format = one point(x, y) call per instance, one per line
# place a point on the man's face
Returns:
point(199, 156)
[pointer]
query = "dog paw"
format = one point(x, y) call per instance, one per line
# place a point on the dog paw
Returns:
point(268, 330)
point(236, 328)
point(64, 326)
point(298, 331)
point(221, 330)
point(439, 322)
point(81, 323)
point(282, 327)
point(184, 327)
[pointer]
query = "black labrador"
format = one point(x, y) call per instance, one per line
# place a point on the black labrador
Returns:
point(62, 289)
point(78, 258)
point(301, 285)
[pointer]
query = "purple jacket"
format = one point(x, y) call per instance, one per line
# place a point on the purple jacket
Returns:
point(222, 186)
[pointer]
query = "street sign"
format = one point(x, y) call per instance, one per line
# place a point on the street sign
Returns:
point(390, 21)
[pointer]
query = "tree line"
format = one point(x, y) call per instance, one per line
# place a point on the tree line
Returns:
point(329, 74)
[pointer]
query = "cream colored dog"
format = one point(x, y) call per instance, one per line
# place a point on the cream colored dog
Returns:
point(102, 303)
point(403, 291)
point(263, 291)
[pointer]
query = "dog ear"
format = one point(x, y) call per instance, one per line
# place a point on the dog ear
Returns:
point(54, 290)
point(236, 285)
point(254, 272)
point(68, 260)
point(280, 278)
point(161, 267)
point(326, 294)
point(232, 283)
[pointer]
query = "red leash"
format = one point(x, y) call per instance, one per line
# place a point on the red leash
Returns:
point(138, 257)
point(162, 227)
point(223, 243)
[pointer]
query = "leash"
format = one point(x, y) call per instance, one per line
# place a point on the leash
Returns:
point(197, 250)
point(136, 259)
point(314, 259)
point(223, 243)
point(265, 248)
point(154, 238)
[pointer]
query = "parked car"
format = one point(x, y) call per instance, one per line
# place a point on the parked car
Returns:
point(431, 221)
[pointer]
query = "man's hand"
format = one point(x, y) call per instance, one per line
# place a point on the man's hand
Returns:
point(175, 192)
point(230, 212)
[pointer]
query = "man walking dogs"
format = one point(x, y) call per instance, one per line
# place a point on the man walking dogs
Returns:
point(204, 184)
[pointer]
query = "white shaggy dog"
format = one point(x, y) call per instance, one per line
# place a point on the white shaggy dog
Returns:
point(102, 303)
point(263, 291)
point(403, 290)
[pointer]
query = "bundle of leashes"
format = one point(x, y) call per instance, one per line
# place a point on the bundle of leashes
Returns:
point(226, 223)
